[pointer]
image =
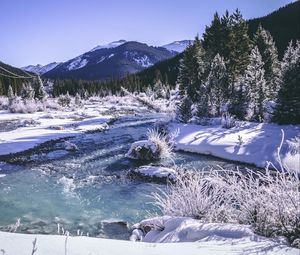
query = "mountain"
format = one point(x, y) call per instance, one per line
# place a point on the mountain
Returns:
point(109, 45)
point(178, 46)
point(114, 60)
point(283, 24)
point(40, 69)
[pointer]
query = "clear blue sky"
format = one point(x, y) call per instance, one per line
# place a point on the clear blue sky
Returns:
point(43, 31)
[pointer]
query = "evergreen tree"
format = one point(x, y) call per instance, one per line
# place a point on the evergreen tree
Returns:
point(40, 91)
point(238, 47)
point(288, 105)
point(77, 99)
point(255, 86)
point(192, 70)
point(10, 95)
point(266, 45)
point(27, 92)
point(213, 37)
point(217, 86)
point(184, 111)
point(239, 100)
point(159, 89)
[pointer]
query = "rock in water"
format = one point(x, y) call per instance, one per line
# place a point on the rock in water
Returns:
point(70, 146)
point(144, 150)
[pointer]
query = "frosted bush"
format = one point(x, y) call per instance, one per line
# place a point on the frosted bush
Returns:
point(3, 103)
point(228, 121)
point(157, 146)
point(269, 201)
point(198, 195)
point(23, 106)
point(64, 100)
point(50, 103)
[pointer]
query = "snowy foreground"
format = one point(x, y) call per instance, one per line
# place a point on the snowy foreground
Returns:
point(253, 143)
point(179, 236)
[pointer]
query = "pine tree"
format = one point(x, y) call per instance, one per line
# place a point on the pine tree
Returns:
point(184, 111)
point(217, 86)
point(255, 86)
point(77, 99)
point(40, 91)
point(213, 38)
point(159, 89)
point(10, 95)
point(238, 47)
point(192, 70)
point(266, 45)
point(27, 92)
point(239, 100)
point(288, 105)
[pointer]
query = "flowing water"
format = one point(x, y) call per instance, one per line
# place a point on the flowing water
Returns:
point(87, 191)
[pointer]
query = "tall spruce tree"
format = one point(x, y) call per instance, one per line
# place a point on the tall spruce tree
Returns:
point(266, 45)
point(184, 111)
point(239, 47)
point(40, 89)
point(288, 105)
point(192, 70)
point(255, 86)
point(217, 86)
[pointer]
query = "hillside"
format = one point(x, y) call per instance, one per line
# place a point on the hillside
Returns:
point(7, 74)
point(105, 63)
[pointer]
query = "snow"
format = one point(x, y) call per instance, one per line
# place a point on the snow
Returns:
point(77, 63)
point(143, 61)
point(156, 171)
point(178, 46)
point(212, 238)
point(49, 126)
point(21, 244)
point(109, 45)
point(139, 145)
point(40, 69)
point(260, 142)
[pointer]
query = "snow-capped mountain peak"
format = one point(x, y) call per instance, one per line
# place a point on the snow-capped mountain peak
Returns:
point(178, 46)
point(40, 69)
point(109, 45)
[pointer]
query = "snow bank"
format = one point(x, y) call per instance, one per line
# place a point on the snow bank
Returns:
point(156, 172)
point(26, 138)
point(212, 238)
point(253, 143)
point(21, 244)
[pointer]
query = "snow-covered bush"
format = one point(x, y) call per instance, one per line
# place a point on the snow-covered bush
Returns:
point(50, 103)
point(23, 106)
point(4, 103)
point(77, 99)
point(197, 195)
point(64, 100)
point(156, 147)
point(267, 200)
point(228, 121)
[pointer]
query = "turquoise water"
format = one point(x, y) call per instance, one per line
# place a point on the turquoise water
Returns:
point(87, 191)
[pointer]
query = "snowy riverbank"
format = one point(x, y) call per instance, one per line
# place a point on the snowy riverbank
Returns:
point(179, 236)
point(23, 131)
point(258, 142)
